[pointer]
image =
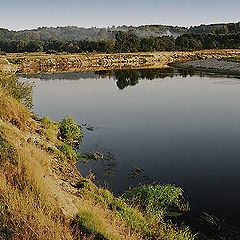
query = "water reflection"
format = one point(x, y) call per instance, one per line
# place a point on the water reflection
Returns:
point(131, 77)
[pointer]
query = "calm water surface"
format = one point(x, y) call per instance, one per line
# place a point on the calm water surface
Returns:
point(176, 128)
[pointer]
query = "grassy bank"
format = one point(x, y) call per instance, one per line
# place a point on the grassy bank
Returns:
point(43, 196)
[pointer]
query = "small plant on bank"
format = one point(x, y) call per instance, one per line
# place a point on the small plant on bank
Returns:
point(70, 132)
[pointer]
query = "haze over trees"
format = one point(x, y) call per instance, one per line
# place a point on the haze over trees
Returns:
point(121, 39)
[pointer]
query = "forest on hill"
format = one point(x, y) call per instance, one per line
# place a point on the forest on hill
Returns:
point(70, 33)
point(121, 39)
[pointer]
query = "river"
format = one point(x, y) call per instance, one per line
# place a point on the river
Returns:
point(166, 126)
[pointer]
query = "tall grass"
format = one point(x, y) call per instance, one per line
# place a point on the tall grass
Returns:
point(157, 201)
point(27, 209)
point(21, 91)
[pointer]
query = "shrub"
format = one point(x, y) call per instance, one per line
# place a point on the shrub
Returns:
point(70, 132)
point(157, 200)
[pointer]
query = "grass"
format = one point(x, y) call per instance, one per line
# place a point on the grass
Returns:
point(134, 215)
point(158, 201)
point(14, 112)
point(49, 129)
point(28, 209)
point(67, 150)
point(95, 220)
point(21, 91)
point(24, 217)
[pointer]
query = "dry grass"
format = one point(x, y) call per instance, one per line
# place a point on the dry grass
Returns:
point(28, 208)
point(24, 217)
point(98, 221)
point(14, 112)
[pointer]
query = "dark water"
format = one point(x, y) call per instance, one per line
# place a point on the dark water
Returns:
point(171, 126)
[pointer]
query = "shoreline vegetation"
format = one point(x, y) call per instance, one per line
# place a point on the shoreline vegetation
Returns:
point(42, 194)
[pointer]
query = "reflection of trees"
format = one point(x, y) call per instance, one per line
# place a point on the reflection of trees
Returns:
point(126, 78)
point(22, 91)
point(63, 76)
point(131, 77)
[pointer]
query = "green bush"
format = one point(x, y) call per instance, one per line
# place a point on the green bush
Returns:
point(70, 132)
point(157, 201)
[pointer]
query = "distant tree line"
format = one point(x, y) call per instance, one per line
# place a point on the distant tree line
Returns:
point(127, 42)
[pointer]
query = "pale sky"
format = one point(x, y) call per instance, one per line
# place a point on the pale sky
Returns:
point(29, 14)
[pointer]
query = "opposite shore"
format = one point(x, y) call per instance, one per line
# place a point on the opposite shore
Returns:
point(33, 63)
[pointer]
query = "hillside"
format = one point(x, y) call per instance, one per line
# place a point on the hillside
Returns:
point(71, 33)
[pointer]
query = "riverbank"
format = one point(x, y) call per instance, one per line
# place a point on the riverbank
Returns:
point(210, 65)
point(32, 63)
point(43, 196)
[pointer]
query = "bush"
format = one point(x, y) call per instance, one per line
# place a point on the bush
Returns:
point(157, 200)
point(70, 132)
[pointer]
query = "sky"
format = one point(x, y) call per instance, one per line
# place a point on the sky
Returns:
point(29, 14)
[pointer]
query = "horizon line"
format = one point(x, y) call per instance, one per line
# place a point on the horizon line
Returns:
point(105, 27)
